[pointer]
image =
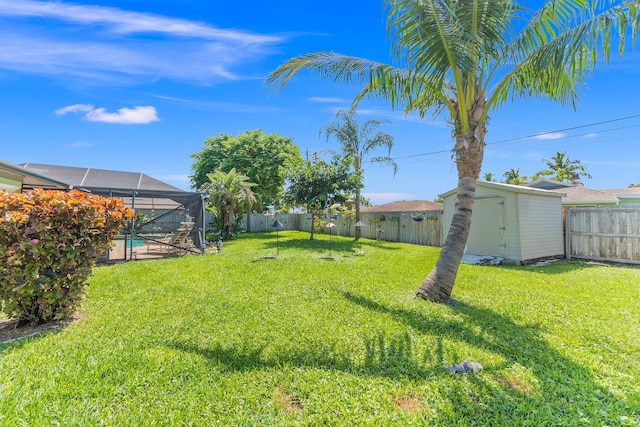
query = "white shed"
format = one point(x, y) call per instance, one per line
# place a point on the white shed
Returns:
point(510, 221)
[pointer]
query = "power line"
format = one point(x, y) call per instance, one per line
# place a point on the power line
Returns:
point(565, 129)
point(534, 135)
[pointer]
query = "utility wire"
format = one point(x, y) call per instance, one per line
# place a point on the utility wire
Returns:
point(518, 138)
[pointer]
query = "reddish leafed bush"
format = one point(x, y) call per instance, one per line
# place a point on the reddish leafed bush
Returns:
point(49, 242)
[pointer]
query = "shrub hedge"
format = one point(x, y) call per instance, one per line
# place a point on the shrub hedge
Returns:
point(49, 242)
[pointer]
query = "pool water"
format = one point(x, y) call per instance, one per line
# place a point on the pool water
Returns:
point(137, 241)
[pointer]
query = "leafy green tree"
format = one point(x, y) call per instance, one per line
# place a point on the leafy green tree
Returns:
point(317, 184)
point(229, 193)
point(357, 141)
point(258, 156)
point(561, 168)
point(634, 185)
point(488, 176)
point(512, 176)
point(465, 58)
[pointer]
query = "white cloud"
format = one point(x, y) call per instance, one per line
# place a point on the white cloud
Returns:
point(96, 44)
point(125, 22)
point(591, 135)
point(75, 108)
point(328, 100)
point(129, 116)
point(79, 144)
point(550, 136)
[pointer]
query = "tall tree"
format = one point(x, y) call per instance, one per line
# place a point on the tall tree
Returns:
point(254, 154)
point(229, 193)
point(357, 141)
point(467, 57)
point(512, 176)
point(561, 168)
point(317, 184)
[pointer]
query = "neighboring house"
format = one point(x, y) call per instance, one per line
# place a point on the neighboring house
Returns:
point(549, 184)
point(416, 221)
point(626, 196)
point(583, 196)
point(404, 206)
point(16, 178)
point(513, 222)
point(575, 194)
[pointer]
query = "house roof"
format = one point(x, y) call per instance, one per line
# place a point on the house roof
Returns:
point(404, 206)
point(630, 190)
point(548, 184)
point(30, 178)
point(510, 187)
point(89, 178)
point(587, 196)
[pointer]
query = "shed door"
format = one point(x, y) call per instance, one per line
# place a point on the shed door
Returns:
point(488, 232)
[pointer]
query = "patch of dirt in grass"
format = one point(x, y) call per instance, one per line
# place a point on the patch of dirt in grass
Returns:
point(10, 331)
point(287, 403)
point(518, 384)
point(407, 404)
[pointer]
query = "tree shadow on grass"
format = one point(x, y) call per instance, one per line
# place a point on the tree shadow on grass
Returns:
point(322, 243)
point(533, 384)
point(567, 392)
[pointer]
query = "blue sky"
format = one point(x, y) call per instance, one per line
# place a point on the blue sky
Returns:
point(138, 85)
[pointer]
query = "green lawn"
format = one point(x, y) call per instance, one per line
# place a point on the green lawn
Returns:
point(238, 339)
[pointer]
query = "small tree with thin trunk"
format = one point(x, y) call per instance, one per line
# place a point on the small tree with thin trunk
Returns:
point(229, 193)
point(317, 184)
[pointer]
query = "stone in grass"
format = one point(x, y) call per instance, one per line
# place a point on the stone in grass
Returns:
point(464, 367)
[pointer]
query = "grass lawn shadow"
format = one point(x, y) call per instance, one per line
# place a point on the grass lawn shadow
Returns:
point(563, 386)
point(287, 241)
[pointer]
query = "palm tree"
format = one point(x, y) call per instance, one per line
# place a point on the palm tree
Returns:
point(488, 176)
point(357, 141)
point(229, 193)
point(467, 57)
point(561, 168)
point(512, 176)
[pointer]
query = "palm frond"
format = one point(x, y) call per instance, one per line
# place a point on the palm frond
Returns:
point(387, 161)
point(560, 44)
point(327, 65)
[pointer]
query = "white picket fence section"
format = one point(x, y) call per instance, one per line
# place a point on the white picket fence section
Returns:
point(424, 228)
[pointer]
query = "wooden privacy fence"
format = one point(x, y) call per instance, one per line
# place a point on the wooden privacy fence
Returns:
point(424, 228)
point(604, 234)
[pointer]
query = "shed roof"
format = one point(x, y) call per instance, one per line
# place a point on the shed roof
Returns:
point(89, 178)
point(404, 206)
point(512, 188)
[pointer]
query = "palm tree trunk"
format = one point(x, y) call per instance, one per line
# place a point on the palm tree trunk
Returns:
point(469, 150)
point(357, 208)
